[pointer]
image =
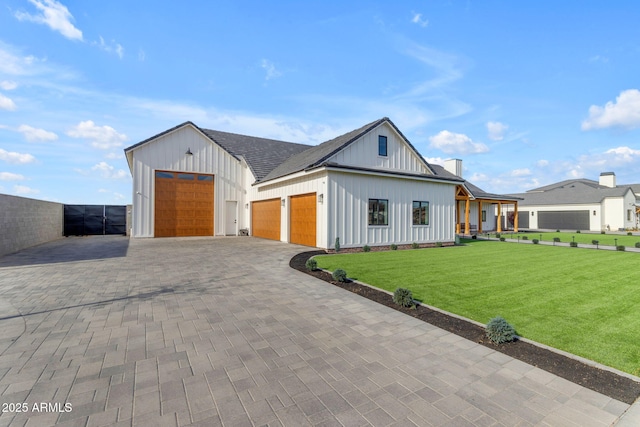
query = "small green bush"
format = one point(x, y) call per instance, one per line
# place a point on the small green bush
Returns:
point(629, 233)
point(500, 331)
point(535, 241)
point(404, 298)
point(438, 244)
point(311, 264)
point(497, 235)
point(339, 275)
point(603, 232)
point(578, 231)
point(525, 238)
point(414, 245)
point(556, 239)
point(573, 244)
point(337, 244)
point(637, 244)
point(595, 242)
point(502, 239)
point(557, 231)
point(394, 247)
point(620, 248)
point(366, 248)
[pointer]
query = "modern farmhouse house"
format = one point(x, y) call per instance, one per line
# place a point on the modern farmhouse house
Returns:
point(367, 187)
point(581, 204)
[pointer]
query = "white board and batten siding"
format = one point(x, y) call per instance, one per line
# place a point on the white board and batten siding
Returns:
point(348, 206)
point(364, 152)
point(315, 182)
point(168, 152)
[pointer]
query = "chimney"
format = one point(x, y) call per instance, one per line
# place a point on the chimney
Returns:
point(454, 166)
point(608, 179)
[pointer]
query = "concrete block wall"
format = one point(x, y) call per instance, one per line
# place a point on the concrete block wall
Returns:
point(28, 222)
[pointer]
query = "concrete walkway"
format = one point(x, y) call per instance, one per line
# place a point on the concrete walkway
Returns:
point(201, 331)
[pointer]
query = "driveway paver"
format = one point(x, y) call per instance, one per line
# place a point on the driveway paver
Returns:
point(220, 331)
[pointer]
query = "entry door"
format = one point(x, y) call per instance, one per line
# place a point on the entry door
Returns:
point(231, 218)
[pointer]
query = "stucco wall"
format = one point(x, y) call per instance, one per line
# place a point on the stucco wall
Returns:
point(28, 222)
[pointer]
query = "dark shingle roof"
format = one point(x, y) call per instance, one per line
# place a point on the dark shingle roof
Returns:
point(261, 154)
point(316, 156)
point(571, 192)
point(475, 191)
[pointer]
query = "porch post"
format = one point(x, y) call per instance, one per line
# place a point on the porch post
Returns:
point(457, 217)
point(479, 216)
point(515, 217)
point(499, 219)
point(467, 209)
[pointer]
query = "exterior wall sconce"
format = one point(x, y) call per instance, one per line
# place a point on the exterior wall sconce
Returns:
point(282, 201)
point(594, 213)
point(532, 213)
point(321, 198)
point(188, 152)
point(246, 205)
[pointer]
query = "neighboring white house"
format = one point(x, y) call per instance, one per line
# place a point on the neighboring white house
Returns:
point(581, 204)
point(367, 187)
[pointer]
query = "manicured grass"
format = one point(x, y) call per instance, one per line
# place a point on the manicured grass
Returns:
point(581, 301)
point(583, 237)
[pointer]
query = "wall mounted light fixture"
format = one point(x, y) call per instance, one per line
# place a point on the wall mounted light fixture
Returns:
point(188, 152)
point(320, 198)
point(282, 202)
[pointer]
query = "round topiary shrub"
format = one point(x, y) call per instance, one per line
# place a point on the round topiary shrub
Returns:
point(394, 247)
point(535, 241)
point(578, 231)
point(311, 264)
point(620, 248)
point(438, 244)
point(404, 298)
point(339, 275)
point(525, 238)
point(595, 242)
point(629, 233)
point(637, 244)
point(603, 232)
point(414, 245)
point(556, 239)
point(500, 331)
point(573, 244)
point(502, 239)
point(366, 248)
point(497, 235)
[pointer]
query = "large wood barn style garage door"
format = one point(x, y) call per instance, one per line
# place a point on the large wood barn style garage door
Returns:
point(265, 219)
point(302, 228)
point(183, 204)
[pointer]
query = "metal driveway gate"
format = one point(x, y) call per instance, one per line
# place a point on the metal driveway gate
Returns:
point(84, 220)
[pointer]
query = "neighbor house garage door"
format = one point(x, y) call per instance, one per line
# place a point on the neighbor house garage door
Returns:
point(302, 229)
point(563, 220)
point(183, 204)
point(265, 219)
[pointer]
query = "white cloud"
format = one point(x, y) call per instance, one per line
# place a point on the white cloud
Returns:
point(598, 58)
point(496, 130)
point(7, 103)
point(141, 55)
point(8, 176)
point(479, 177)
point(113, 156)
point(456, 143)
point(516, 173)
point(623, 113)
point(542, 163)
point(417, 19)
point(270, 68)
point(102, 137)
point(8, 85)
point(108, 171)
point(32, 134)
point(110, 48)
point(435, 160)
point(55, 15)
point(12, 63)
point(23, 189)
point(16, 158)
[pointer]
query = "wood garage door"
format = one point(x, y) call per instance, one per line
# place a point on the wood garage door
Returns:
point(302, 229)
point(183, 204)
point(265, 219)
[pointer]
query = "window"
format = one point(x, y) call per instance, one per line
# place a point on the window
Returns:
point(382, 145)
point(205, 177)
point(484, 216)
point(164, 175)
point(188, 176)
point(420, 213)
point(378, 212)
point(628, 214)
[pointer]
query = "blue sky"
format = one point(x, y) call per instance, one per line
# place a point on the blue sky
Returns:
point(526, 94)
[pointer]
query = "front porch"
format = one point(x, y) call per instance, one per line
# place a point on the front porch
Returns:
point(466, 202)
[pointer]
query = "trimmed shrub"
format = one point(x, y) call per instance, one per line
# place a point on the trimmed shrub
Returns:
point(637, 244)
point(629, 233)
point(556, 239)
point(414, 245)
point(337, 244)
point(311, 264)
point(502, 239)
point(595, 242)
point(500, 331)
point(535, 241)
point(366, 248)
point(394, 247)
point(557, 231)
point(497, 235)
point(620, 248)
point(438, 244)
point(404, 298)
point(578, 231)
point(573, 244)
point(339, 275)
point(525, 238)
point(603, 232)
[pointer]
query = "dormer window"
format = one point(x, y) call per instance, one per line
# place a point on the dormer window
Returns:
point(382, 145)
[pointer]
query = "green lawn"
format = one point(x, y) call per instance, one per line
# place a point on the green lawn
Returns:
point(603, 239)
point(582, 301)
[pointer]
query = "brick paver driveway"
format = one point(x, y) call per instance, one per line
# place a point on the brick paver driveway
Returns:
point(166, 332)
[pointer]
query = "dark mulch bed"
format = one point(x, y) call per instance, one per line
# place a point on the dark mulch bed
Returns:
point(605, 382)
